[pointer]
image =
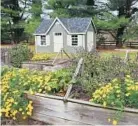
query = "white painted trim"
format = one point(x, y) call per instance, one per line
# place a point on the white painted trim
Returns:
point(88, 27)
point(94, 26)
point(57, 19)
point(81, 33)
point(38, 34)
point(91, 22)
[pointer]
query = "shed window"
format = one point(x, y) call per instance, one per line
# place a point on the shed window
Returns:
point(58, 34)
point(74, 40)
point(43, 40)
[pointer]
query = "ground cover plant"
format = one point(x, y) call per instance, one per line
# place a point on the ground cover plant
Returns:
point(109, 53)
point(15, 82)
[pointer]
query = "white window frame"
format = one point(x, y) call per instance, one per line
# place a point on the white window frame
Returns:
point(43, 40)
point(74, 38)
point(57, 33)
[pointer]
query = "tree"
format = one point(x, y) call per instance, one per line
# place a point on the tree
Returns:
point(13, 18)
point(71, 8)
point(35, 19)
point(125, 9)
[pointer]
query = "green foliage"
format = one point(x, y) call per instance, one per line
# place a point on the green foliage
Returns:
point(19, 54)
point(60, 80)
point(17, 82)
point(109, 22)
point(99, 71)
point(71, 8)
point(131, 33)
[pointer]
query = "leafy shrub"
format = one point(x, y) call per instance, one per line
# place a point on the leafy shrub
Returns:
point(19, 54)
point(98, 71)
point(16, 81)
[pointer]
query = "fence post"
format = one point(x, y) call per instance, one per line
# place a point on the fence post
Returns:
point(78, 70)
point(6, 58)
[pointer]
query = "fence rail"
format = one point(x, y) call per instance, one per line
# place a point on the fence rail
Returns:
point(112, 44)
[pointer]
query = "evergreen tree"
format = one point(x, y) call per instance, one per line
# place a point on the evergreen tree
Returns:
point(126, 9)
point(13, 18)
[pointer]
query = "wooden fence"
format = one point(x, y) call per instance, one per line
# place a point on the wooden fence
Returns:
point(5, 56)
point(112, 44)
point(132, 44)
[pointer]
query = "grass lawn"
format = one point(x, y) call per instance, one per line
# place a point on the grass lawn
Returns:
point(109, 53)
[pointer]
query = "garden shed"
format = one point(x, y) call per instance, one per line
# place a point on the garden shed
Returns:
point(72, 34)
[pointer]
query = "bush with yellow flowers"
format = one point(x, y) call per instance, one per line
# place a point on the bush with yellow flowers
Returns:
point(118, 93)
point(42, 56)
point(15, 82)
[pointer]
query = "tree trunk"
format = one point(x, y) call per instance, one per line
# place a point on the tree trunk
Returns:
point(119, 35)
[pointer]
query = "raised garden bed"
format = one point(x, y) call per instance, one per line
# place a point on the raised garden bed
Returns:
point(55, 110)
point(65, 110)
point(47, 65)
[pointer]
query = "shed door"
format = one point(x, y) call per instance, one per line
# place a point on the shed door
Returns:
point(58, 42)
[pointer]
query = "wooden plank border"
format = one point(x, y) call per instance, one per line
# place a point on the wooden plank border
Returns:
point(54, 110)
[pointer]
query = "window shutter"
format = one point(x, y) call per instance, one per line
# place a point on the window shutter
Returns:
point(47, 40)
point(80, 40)
point(38, 40)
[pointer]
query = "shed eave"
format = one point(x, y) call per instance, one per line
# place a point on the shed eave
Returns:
point(77, 33)
point(39, 34)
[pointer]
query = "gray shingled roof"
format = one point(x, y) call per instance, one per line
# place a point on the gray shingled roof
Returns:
point(73, 25)
point(43, 27)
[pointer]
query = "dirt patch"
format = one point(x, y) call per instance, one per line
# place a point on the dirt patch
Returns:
point(78, 92)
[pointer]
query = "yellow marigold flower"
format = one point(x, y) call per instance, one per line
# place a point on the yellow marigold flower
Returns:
point(24, 117)
point(48, 88)
point(114, 122)
point(128, 76)
point(104, 95)
point(109, 120)
point(104, 104)
point(39, 90)
point(29, 113)
point(30, 102)
point(14, 118)
point(31, 92)
point(20, 109)
point(127, 94)
point(7, 114)
point(15, 103)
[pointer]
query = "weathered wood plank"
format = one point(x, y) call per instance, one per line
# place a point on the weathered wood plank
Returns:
point(75, 111)
point(53, 120)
